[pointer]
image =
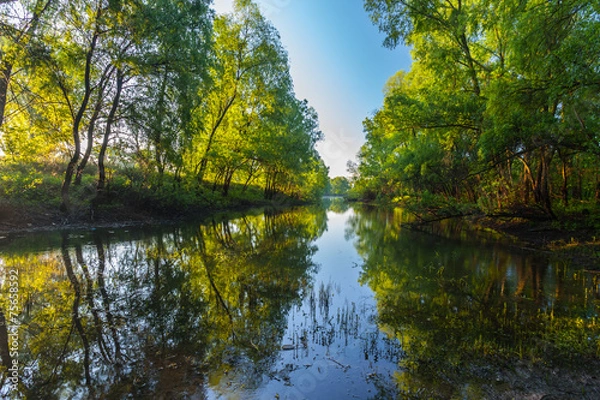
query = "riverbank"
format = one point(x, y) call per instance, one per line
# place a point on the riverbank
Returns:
point(573, 237)
point(38, 218)
point(31, 198)
point(22, 219)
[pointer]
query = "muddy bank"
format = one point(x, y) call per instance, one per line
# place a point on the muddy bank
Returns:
point(14, 220)
point(30, 219)
point(574, 238)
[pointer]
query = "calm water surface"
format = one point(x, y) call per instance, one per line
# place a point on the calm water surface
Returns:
point(309, 303)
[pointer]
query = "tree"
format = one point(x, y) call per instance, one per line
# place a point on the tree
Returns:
point(19, 23)
point(481, 100)
point(250, 64)
point(162, 89)
point(251, 122)
point(78, 109)
point(340, 185)
point(89, 60)
point(171, 69)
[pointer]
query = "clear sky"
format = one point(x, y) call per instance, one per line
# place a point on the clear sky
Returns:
point(337, 63)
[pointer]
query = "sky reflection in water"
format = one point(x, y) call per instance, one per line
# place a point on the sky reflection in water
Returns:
point(305, 303)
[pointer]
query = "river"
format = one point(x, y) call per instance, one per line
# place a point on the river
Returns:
point(320, 302)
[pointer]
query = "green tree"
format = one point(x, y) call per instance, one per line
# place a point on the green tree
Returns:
point(250, 67)
point(340, 185)
point(171, 69)
point(252, 124)
point(493, 108)
point(161, 91)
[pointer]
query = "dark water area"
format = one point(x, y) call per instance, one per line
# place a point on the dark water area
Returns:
point(322, 302)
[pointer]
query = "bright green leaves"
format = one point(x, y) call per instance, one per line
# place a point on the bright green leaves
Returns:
point(492, 82)
point(252, 122)
point(161, 87)
point(422, 138)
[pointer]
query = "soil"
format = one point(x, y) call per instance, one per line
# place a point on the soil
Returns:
point(18, 220)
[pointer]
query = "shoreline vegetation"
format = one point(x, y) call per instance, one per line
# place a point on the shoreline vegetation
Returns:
point(497, 118)
point(147, 111)
point(35, 207)
point(571, 236)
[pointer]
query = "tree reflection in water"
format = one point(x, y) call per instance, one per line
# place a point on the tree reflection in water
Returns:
point(474, 320)
point(248, 307)
point(155, 314)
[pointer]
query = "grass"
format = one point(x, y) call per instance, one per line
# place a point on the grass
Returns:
point(30, 196)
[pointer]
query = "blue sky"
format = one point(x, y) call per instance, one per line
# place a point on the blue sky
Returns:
point(338, 64)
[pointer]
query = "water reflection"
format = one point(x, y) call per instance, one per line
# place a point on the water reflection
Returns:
point(305, 303)
point(148, 314)
point(475, 320)
point(336, 204)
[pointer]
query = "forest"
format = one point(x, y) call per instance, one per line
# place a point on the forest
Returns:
point(500, 109)
point(157, 104)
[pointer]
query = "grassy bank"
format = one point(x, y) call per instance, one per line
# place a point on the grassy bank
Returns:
point(30, 199)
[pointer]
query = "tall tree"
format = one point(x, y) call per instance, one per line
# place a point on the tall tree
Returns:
point(493, 106)
point(173, 62)
point(78, 109)
point(249, 60)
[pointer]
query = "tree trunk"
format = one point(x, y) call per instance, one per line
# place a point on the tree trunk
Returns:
point(227, 181)
point(5, 73)
point(251, 172)
point(100, 186)
point(213, 132)
point(90, 143)
point(157, 136)
point(91, 126)
point(464, 44)
point(542, 184)
point(527, 182)
point(565, 185)
point(66, 202)
point(270, 185)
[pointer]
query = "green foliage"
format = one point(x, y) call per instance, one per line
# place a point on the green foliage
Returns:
point(176, 106)
point(30, 183)
point(498, 108)
point(339, 186)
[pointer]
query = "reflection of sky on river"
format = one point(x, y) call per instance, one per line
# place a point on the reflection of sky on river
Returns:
point(333, 346)
point(461, 294)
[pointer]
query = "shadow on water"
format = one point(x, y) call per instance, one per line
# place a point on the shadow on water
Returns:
point(303, 303)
